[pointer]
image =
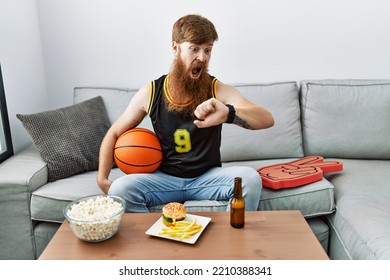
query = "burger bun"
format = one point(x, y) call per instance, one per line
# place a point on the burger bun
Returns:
point(173, 212)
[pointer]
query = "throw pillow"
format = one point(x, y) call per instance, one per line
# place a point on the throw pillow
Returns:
point(68, 139)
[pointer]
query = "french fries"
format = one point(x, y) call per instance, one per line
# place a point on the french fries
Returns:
point(181, 229)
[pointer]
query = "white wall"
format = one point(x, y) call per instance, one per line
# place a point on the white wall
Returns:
point(22, 64)
point(127, 43)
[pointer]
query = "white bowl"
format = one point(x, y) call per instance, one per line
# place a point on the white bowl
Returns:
point(95, 218)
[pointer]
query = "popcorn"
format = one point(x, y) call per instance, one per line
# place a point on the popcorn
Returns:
point(94, 209)
point(95, 219)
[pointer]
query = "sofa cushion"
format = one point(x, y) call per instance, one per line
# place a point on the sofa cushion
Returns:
point(48, 202)
point(361, 220)
point(68, 139)
point(283, 140)
point(313, 200)
point(346, 118)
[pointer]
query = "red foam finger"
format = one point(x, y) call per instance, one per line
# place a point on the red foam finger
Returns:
point(297, 173)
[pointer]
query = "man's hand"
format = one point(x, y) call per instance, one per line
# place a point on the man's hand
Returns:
point(211, 112)
point(104, 185)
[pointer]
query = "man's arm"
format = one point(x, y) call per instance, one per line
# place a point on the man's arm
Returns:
point(247, 114)
point(130, 118)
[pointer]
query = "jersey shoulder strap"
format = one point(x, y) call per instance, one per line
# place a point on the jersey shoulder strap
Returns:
point(153, 90)
point(214, 83)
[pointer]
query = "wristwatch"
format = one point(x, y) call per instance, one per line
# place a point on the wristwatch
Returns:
point(231, 114)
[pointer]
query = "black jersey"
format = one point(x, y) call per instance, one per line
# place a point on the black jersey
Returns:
point(188, 151)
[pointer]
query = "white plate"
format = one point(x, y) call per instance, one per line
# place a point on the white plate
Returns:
point(155, 229)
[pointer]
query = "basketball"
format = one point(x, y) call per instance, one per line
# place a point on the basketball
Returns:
point(138, 151)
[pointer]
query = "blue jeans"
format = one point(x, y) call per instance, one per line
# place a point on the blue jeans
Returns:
point(144, 190)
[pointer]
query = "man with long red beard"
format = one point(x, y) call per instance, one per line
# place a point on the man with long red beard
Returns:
point(187, 108)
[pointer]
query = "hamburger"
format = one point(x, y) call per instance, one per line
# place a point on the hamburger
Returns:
point(173, 212)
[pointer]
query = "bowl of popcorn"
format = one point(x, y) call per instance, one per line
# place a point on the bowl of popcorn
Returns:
point(95, 218)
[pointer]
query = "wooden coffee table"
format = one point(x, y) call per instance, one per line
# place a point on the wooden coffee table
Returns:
point(270, 235)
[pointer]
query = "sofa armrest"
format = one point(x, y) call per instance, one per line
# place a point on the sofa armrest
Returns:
point(20, 175)
point(25, 169)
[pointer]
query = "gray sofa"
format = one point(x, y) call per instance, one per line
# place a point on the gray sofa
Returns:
point(346, 120)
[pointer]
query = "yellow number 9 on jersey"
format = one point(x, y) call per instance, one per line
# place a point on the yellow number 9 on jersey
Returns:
point(182, 140)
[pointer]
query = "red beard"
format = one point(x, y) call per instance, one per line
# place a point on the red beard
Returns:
point(186, 93)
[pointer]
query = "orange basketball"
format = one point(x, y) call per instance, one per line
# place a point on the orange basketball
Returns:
point(138, 151)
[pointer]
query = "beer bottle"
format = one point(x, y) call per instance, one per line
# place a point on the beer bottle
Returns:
point(237, 206)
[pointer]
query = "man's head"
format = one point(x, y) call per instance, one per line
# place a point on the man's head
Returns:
point(193, 37)
point(194, 29)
